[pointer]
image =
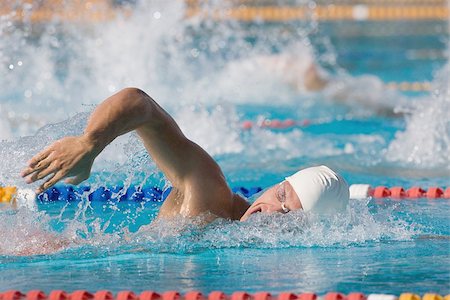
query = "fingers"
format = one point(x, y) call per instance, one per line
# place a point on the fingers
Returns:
point(39, 174)
point(38, 157)
point(51, 181)
point(37, 163)
point(42, 167)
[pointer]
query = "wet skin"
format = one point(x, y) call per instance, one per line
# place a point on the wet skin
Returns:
point(279, 198)
point(199, 186)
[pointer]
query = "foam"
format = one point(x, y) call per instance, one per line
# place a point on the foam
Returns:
point(355, 227)
point(425, 142)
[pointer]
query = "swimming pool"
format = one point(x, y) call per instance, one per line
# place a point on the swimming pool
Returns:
point(206, 75)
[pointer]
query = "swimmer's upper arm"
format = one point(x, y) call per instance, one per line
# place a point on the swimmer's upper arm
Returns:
point(181, 160)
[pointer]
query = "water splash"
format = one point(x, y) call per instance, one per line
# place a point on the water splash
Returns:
point(357, 226)
point(425, 143)
point(49, 73)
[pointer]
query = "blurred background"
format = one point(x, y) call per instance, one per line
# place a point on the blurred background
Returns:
point(266, 87)
point(57, 55)
point(370, 77)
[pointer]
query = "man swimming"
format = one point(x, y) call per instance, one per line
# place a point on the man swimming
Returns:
point(199, 186)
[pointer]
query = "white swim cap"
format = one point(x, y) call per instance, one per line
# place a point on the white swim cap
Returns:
point(320, 189)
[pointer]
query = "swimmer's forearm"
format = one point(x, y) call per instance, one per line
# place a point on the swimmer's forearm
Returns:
point(121, 113)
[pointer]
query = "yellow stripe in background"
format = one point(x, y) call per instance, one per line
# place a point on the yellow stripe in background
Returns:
point(243, 10)
point(410, 86)
point(326, 13)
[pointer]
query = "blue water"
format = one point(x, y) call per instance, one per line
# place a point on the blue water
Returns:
point(376, 246)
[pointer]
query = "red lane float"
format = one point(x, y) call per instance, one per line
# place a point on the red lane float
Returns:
point(58, 295)
point(275, 124)
point(170, 295)
point(217, 295)
point(381, 192)
point(196, 295)
point(356, 296)
point(434, 192)
point(126, 295)
point(360, 191)
point(12, 295)
point(105, 295)
point(415, 192)
point(335, 296)
point(82, 295)
point(241, 296)
point(150, 295)
point(287, 296)
point(307, 296)
point(397, 192)
point(447, 193)
point(36, 295)
point(262, 296)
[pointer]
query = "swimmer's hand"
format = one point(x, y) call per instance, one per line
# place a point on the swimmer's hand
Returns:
point(68, 157)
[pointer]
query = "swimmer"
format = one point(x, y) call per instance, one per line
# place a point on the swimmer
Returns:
point(297, 67)
point(199, 186)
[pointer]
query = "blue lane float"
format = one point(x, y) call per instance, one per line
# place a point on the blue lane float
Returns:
point(119, 193)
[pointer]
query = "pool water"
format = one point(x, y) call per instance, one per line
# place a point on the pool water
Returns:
point(208, 76)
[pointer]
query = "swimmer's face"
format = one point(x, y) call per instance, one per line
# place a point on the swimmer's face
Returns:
point(279, 198)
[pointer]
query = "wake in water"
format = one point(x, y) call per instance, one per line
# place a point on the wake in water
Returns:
point(425, 143)
point(356, 227)
point(52, 70)
point(50, 75)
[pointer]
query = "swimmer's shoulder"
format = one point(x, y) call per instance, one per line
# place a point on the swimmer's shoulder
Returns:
point(199, 196)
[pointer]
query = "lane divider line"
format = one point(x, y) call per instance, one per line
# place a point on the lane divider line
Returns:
point(197, 295)
point(102, 12)
point(155, 194)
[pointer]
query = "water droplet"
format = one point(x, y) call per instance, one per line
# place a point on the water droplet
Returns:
point(195, 52)
point(157, 15)
point(19, 63)
point(28, 94)
point(11, 66)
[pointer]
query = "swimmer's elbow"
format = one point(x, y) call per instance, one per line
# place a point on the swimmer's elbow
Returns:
point(139, 103)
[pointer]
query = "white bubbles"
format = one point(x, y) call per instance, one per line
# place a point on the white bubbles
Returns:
point(356, 226)
point(195, 52)
point(112, 88)
point(157, 15)
point(28, 93)
point(217, 131)
point(425, 143)
point(11, 67)
point(5, 130)
point(31, 234)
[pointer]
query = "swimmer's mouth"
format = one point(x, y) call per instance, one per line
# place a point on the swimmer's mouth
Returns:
point(258, 210)
point(254, 210)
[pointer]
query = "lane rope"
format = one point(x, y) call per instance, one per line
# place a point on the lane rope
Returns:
point(197, 295)
point(101, 11)
point(156, 194)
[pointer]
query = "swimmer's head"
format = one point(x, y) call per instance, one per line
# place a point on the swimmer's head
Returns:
point(316, 189)
point(320, 189)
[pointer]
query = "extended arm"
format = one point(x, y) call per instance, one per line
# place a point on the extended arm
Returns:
point(130, 109)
